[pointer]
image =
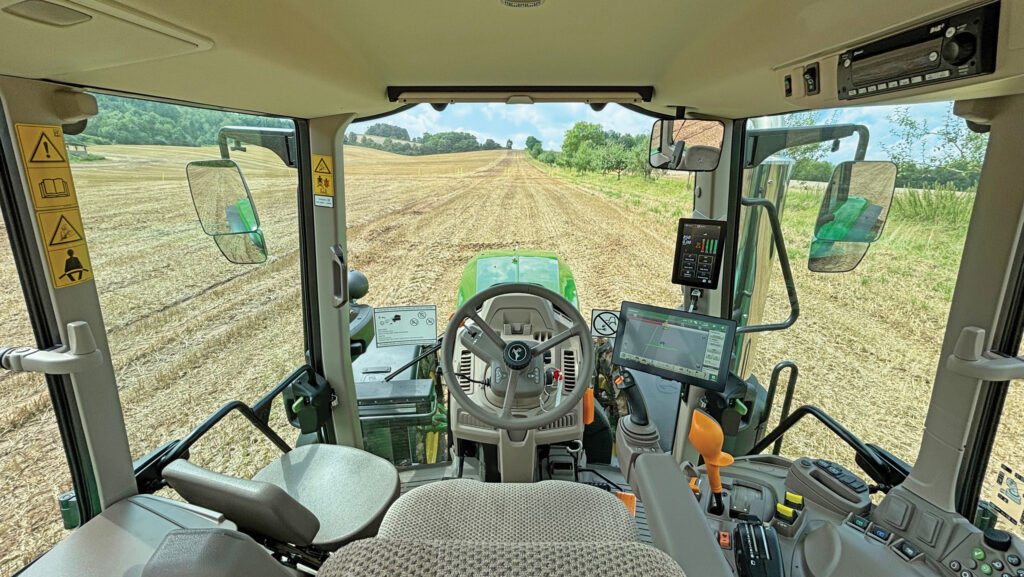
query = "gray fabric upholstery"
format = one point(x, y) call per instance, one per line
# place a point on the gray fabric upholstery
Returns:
point(348, 489)
point(548, 511)
point(391, 558)
point(699, 157)
point(253, 505)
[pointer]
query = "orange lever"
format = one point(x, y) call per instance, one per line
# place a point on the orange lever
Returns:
point(706, 436)
point(588, 406)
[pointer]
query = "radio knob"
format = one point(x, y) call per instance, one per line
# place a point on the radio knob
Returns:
point(959, 49)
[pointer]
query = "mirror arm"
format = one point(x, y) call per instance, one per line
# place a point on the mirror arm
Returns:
point(762, 143)
point(787, 272)
point(280, 141)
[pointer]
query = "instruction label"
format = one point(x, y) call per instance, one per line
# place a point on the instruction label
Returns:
point(1010, 498)
point(398, 326)
point(604, 323)
point(66, 251)
point(46, 166)
point(53, 195)
point(323, 180)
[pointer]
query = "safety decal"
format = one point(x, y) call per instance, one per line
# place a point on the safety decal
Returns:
point(66, 251)
point(323, 178)
point(46, 166)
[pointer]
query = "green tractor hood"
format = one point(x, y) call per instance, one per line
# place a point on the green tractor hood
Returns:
point(539, 267)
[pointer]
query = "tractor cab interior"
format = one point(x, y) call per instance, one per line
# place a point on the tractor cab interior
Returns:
point(568, 414)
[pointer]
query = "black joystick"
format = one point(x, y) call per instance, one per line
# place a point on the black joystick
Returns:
point(634, 398)
point(998, 540)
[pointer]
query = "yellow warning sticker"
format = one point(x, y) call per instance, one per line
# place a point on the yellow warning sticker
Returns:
point(46, 166)
point(41, 145)
point(66, 252)
point(323, 175)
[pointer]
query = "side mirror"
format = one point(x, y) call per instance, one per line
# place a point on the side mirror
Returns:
point(226, 211)
point(692, 145)
point(852, 214)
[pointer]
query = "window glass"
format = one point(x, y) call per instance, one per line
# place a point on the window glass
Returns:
point(33, 468)
point(189, 331)
point(1003, 486)
point(867, 341)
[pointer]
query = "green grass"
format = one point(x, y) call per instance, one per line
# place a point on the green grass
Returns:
point(667, 197)
point(88, 157)
point(941, 205)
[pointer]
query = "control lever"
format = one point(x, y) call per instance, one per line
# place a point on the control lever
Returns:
point(758, 553)
point(634, 398)
point(706, 436)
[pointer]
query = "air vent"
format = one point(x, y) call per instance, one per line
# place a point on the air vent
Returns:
point(522, 3)
point(466, 368)
point(467, 420)
point(47, 13)
point(541, 336)
point(567, 421)
point(569, 369)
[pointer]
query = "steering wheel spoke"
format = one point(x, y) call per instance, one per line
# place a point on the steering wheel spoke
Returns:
point(510, 395)
point(541, 348)
point(487, 330)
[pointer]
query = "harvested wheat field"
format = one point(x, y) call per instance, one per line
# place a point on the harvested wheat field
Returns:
point(189, 331)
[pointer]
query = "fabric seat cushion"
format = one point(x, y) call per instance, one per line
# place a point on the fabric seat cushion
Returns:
point(348, 489)
point(548, 511)
point(389, 557)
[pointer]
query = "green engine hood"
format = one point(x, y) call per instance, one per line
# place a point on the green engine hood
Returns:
point(539, 267)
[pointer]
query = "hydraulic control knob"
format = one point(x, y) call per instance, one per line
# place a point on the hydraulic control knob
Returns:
point(997, 539)
point(960, 48)
point(706, 436)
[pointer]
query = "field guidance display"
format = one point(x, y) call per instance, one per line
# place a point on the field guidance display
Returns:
point(690, 348)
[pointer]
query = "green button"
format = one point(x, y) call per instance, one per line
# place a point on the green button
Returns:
point(979, 555)
point(986, 569)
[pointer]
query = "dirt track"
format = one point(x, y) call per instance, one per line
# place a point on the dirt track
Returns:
point(188, 331)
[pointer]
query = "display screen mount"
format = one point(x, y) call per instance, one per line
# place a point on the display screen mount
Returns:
point(690, 348)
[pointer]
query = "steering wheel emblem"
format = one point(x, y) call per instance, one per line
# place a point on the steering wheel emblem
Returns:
point(517, 355)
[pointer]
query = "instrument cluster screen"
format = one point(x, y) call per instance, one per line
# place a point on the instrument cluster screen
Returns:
point(699, 248)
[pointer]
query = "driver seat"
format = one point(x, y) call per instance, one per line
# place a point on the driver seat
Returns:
point(543, 512)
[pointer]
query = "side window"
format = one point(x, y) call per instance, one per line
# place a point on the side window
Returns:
point(868, 340)
point(1003, 486)
point(189, 331)
point(33, 468)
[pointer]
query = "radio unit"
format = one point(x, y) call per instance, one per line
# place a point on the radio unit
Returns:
point(955, 47)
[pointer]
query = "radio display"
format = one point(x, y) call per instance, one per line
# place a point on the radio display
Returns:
point(896, 63)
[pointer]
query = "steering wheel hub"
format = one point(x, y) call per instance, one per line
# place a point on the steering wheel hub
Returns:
point(517, 355)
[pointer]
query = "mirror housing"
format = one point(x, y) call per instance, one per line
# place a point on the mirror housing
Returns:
point(852, 214)
point(226, 210)
point(686, 144)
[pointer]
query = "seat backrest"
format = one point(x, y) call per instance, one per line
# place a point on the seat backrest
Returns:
point(254, 506)
point(698, 157)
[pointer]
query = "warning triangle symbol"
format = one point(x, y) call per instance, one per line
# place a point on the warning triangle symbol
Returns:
point(45, 151)
point(321, 168)
point(64, 233)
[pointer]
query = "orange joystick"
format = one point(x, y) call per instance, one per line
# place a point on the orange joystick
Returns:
point(706, 436)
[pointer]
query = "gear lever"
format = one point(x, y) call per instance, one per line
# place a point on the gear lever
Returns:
point(706, 436)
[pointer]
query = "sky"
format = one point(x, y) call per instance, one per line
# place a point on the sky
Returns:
point(548, 122)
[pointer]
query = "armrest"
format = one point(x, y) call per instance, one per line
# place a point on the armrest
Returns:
point(678, 526)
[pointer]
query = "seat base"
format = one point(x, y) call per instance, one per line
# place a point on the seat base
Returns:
point(388, 557)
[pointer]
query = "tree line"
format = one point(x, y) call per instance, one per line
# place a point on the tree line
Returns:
point(948, 155)
point(588, 147)
point(391, 138)
point(132, 121)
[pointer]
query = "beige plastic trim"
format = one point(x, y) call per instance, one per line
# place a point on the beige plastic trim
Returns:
point(329, 229)
point(981, 287)
point(99, 406)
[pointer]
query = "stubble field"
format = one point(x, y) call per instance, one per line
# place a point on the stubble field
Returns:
point(189, 331)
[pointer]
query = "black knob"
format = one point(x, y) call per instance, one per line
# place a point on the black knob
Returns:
point(998, 540)
point(959, 49)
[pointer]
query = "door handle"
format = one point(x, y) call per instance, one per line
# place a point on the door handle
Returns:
point(80, 354)
point(339, 272)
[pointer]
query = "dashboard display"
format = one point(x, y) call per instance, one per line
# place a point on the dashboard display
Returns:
point(699, 248)
point(689, 348)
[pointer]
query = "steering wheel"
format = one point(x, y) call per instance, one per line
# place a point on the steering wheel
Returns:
point(514, 365)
